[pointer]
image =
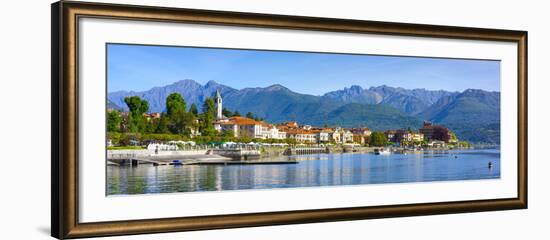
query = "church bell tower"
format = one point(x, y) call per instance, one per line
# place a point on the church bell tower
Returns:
point(219, 106)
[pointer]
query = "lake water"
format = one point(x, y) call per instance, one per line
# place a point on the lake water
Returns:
point(312, 170)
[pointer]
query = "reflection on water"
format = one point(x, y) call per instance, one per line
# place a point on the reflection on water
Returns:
point(312, 170)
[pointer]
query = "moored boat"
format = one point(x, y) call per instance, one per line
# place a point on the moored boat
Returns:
point(382, 151)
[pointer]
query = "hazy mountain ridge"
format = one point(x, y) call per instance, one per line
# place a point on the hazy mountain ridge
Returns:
point(409, 101)
point(378, 117)
point(191, 91)
point(471, 114)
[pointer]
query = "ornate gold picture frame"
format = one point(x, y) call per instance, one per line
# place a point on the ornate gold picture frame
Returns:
point(65, 119)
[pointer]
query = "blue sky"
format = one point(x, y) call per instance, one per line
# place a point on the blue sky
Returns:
point(140, 68)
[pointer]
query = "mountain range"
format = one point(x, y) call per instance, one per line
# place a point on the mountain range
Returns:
point(474, 115)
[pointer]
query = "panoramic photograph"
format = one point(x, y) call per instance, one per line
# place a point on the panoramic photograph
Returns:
point(195, 119)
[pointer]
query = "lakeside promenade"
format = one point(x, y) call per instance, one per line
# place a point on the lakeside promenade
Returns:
point(246, 155)
point(187, 157)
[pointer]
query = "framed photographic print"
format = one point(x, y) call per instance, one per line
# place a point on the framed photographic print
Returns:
point(167, 119)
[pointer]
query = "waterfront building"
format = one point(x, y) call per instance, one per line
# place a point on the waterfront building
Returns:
point(272, 132)
point(341, 135)
point(302, 135)
point(361, 131)
point(357, 138)
point(417, 137)
point(347, 136)
point(336, 136)
point(361, 135)
point(247, 127)
point(241, 127)
point(390, 135)
point(427, 130)
point(284, 128)
point(275, 133)
point(323, 135)
point(404, 135)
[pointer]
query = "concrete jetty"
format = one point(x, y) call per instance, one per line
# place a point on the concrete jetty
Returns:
point(209, 157)
point(162, 159)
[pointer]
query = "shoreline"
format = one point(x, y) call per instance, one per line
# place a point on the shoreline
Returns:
point(265, 156)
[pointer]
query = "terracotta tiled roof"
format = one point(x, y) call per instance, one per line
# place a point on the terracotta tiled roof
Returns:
point(242, 121)
point(288, 124)
point(299, 131)
point(327, 130)
point(284, 128)
point(265, 124)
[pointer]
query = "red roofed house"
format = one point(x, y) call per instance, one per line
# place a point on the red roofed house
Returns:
point(247, 127)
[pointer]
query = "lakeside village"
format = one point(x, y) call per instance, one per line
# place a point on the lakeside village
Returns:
point(179, 130)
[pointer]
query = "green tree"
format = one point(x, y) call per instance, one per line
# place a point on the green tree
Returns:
point(130, 139)
point(250, 115)
point(181, 122)
point(228, 134)
point(114, 137)
point(441, 133)
point(227, 113)
point(209, 106)
point(206, 126)
point(194, 110)
point(151, 126)
point(453, 136)
point(378, 139)
point(237, 113)
point(175, 103)
point(258, 118)
point(162, 126)
point(137, 106)
point(113, 121)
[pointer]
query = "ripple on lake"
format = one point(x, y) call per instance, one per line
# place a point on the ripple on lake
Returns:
point(312, 170)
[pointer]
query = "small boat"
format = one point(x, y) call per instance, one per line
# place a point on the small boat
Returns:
point(177, 163)
point(382, 151)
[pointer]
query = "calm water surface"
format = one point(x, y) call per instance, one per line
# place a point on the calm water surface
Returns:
point(312, 170)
